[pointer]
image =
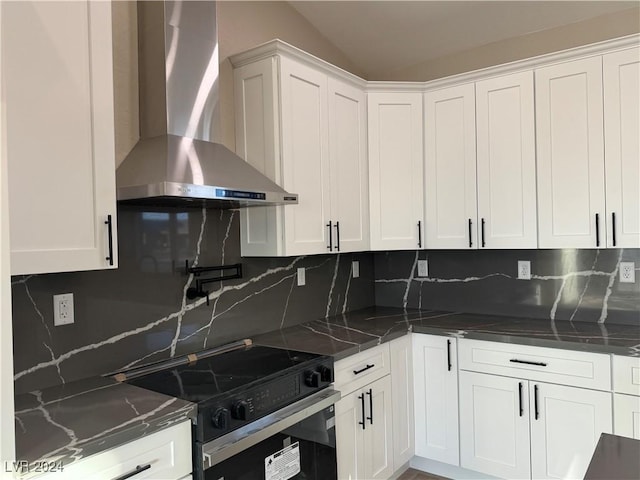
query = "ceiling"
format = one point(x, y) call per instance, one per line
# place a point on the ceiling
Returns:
point(378, 36)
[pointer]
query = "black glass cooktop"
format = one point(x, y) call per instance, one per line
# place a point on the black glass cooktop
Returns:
point(225, 373)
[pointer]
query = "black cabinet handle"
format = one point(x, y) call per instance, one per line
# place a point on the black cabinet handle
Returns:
point(356, 372)
point(419, 234)
point(139, 469)
point(470, 237)
point(613, 227)
point(337, 236)
point(535, 401)
point(109, 225)
point(370, 417)
point(597, 230)
point(526, 362)
point(449, 355)
point(482, 232)
point(361, 398)
point(520, 398)
point(330, 246)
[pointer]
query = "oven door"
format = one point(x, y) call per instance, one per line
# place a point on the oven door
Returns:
point(297, 441)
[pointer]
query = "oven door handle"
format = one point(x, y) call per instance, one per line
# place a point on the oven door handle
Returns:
point(228, 445)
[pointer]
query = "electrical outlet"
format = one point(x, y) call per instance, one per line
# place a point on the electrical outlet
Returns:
point(524, 270)
point(355, 269)
point(423, 268)
point(63, 309)
point(301, 277)
point(627, 272)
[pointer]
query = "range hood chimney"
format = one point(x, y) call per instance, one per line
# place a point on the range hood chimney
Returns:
point(176, 162)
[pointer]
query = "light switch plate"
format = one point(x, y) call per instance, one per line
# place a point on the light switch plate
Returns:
point(423, 268)
point(355, 269)
point(302, 280)
point(524, 270)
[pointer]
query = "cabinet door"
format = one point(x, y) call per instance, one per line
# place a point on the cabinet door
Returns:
point(569, 124)
point(349, 435)
point(622, 146)
point(349, 166)
point(395, 170)
point(566, 429)
point(506, 157)
point(58, 80)
point(494, 425)
point(378, 438)
point(626, 414)
point(402, 400)
point(305, 159)
point(436, 397)
point(257, 141)
point(450, 168)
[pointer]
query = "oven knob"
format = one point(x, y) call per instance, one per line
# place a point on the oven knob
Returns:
point(240, 410)
point(312, 379)
point(326, 374)
point(221, 418)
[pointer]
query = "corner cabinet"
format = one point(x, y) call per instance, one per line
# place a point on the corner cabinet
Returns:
point(306, 130)
point(58, 81)
point(395, 170)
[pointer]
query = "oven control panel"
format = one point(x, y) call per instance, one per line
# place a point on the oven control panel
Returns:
point(252, 403)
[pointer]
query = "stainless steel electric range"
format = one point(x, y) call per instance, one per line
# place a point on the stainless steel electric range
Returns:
point(263, 413)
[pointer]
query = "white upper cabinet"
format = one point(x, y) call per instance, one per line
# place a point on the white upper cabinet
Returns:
point(306, 130)
point(395, 170)
point(450, 168)
point(58, 80)
point(569, 127)
point(348, 166)
point(305, 157)
point(506, 162)
point(622, 147)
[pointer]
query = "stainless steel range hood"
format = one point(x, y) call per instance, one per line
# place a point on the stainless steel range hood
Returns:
point(176, 162)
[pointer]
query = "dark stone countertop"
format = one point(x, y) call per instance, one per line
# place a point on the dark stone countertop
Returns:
point(614, 458)
point(70, 422)
point(349, 333)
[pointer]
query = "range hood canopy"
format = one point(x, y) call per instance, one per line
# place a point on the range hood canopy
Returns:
point(176, 162)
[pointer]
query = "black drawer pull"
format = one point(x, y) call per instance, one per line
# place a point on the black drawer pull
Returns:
point(370, 417)
point(361, 398)
point(526, 362)
point(535, 401)
point(449, 355)
point(520, 398)
point(419, 234)
point(597, 230)
point(337, 236)
point(330, 246)
point(470, 237)
point(613, 227)
point(482, 229)
point(109, 225)
point(356, 372)
point(139, 469)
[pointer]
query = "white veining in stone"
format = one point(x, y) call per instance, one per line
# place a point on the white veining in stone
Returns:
point(607, 294)
point(286, 303)
point(196, 259)
point(308, 327)
point(226, 235)
point(586, 285)
point(346, 291)
point(411, 276)
point(47, 416)
point(53, 356)
point(333, 284)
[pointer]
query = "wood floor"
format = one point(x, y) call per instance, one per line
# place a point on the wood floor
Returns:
point(412, 474)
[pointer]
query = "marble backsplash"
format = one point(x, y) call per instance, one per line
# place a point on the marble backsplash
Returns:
point(139, 313)
point(576, 285)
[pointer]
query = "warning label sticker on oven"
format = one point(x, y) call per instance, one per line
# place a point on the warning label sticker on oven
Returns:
point(284, 464)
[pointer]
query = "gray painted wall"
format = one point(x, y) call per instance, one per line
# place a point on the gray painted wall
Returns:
point(578, 285)
point(138, 313)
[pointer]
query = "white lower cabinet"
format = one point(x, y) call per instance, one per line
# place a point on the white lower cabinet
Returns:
point(626, 414)
point(163, 455)
point(435, 373)
point(402, 385)
point(363, 432)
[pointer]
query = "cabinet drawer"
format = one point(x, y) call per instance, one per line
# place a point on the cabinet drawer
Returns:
point(167, 452)
point(566, 367)
point(626, 375)
point(362, 368)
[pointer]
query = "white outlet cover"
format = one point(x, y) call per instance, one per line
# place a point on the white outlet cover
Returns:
point(302, 280)
point(63, 309)
point(524, 270)
point(627, 272)
point(423, 268)
point(355, 269)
